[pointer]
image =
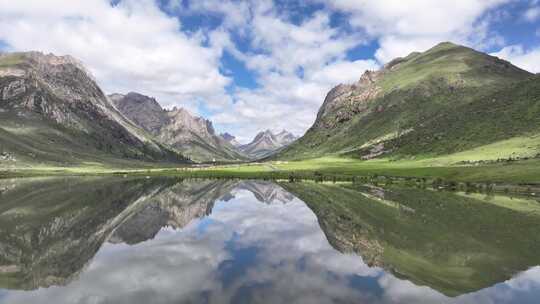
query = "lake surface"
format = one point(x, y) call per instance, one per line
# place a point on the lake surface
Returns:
point(165, 240)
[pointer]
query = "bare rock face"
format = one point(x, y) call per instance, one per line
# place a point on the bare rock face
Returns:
point(285, 137)
point(13, 89)
point(192, 135)
point(182, 126)
point(142, 110)
point(345, 101)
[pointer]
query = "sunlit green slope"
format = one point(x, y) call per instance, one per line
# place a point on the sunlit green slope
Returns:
point(445, 100)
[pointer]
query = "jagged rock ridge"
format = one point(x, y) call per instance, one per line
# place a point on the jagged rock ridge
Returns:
point(192, 135)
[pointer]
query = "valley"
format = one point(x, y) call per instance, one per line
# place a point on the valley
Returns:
point(450, 112)
point(274, 151)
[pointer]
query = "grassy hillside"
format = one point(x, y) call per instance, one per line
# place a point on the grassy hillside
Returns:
point(50, 228)
point(32, 141)
point(53, 113)
point(445, 100)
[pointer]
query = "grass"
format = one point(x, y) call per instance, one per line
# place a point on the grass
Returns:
point(11, 60)
point(332, 167)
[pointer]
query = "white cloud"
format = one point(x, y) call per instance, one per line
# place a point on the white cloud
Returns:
point(526, 59)
point(130, 46)
point(405, 26)
point(532, 14)
point(296, 65)
point(288, 100)
point(134, 46)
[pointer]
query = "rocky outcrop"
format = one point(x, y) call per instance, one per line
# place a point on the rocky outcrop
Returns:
point(345, 101)
point(142, 110)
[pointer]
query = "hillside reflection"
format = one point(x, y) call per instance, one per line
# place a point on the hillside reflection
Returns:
point(163, 240)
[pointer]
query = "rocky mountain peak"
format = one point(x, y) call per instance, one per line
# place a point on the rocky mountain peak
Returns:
point(182, 118)
point(286, 137)
point(266, 142)
point(368, 78)
point(266, 135)
point(193, 135)
point(230, 139)
point(144, 111)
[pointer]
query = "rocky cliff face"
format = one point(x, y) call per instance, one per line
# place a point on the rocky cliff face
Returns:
point(265, 143)
point(192, 135)
point(58, 92)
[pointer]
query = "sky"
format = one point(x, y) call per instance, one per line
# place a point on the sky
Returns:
point(255, 65)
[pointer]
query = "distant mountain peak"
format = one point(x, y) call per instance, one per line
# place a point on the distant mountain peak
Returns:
point(267, 142)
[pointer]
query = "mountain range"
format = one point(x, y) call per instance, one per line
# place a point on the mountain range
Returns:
point(52, 112)
point(449, 99)
point(193, 136)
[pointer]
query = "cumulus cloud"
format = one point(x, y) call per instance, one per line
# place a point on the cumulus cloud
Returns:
point(295, 65)
point(526, 59)
point(300, 62)
point(136, 45)
point(131, 46)
point(402, 27)
point(532, 14)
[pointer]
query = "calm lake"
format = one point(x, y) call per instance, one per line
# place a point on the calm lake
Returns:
point(166, 240)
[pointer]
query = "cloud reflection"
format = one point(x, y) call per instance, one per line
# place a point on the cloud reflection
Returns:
point(250, 250)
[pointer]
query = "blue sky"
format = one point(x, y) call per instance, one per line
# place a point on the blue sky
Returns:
point(254, 65)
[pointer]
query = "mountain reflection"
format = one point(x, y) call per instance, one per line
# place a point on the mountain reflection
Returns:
point(122, 240)
point(452, 242)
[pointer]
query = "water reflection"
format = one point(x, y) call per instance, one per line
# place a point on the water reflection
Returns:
point(120, 240)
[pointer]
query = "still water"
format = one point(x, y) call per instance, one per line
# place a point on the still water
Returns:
point(116, 240)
